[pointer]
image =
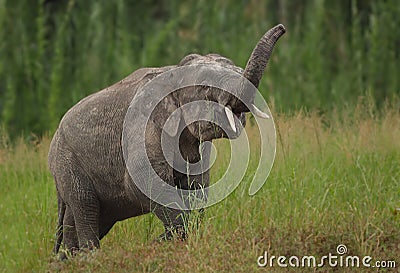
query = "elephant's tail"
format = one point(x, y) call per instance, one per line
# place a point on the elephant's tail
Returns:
point(59, 234)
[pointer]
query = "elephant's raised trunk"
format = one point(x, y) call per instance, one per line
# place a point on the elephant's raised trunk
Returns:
point(259, 58)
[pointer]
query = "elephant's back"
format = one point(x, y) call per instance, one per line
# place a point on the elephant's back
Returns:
point(101, 115)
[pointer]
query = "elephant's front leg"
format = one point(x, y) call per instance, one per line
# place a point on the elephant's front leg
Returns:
point(196, 197)
point(175, 222)
point(193, 191)
point(196, 180)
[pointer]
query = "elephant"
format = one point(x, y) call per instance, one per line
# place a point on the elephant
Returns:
point(94, 187)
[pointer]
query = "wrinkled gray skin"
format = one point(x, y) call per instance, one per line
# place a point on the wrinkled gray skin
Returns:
point(94, 188)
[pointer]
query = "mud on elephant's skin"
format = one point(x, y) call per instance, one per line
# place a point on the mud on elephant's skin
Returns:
point(94, 188)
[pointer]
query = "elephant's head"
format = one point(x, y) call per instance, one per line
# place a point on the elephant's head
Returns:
point(217, 104)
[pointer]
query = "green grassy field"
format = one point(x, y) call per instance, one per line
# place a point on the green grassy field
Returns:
point(335, 181)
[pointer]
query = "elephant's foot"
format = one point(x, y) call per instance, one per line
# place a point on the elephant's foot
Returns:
point(70, 252)
point(173, 233)
point(65, 254)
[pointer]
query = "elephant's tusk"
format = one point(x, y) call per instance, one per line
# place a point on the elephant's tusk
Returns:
point(257, 112)
point(230, 117)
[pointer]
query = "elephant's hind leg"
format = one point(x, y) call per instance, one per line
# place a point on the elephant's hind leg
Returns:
point(86, 214)
point(61, 214)
point(70, 237)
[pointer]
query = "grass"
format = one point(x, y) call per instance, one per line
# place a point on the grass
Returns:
point(335, 181)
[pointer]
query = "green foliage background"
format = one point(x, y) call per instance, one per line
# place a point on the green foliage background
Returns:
point(54, 52)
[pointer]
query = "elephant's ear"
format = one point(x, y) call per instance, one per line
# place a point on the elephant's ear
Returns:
point(168, 110)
